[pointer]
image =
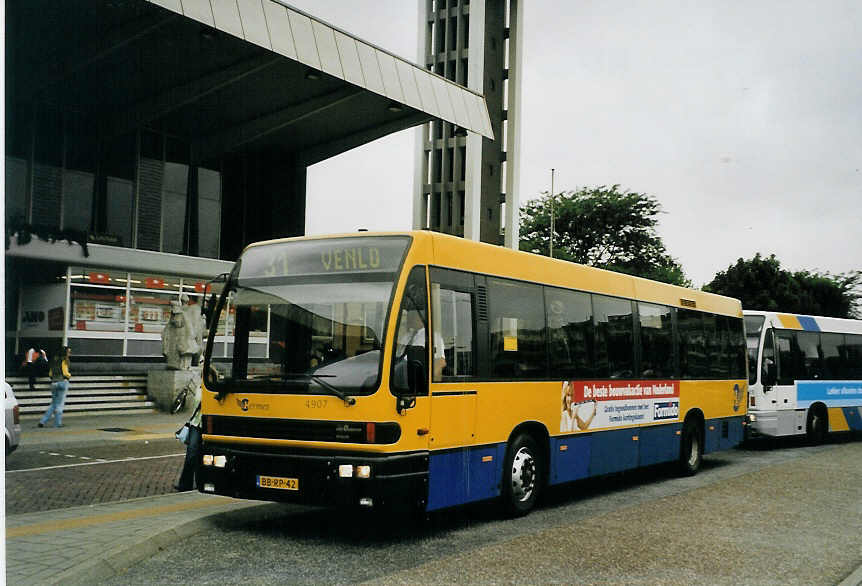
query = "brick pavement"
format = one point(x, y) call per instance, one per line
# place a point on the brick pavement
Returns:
point(80, 544)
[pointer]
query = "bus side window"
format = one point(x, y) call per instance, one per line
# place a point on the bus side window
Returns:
point(656, 341)
point(517, 330)
point(809, 356)
point(614, 320)
point(788, 357)
point(411, 336)
point(453, 332)
point(570, 333)
point(831, 346)
point(853, 345)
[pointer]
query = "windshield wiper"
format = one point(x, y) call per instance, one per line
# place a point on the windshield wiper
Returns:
point(318, 378)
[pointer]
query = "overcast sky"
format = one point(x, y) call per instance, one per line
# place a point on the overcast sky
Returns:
point(744, 119)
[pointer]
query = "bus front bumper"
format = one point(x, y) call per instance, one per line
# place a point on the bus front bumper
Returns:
point(398, 481)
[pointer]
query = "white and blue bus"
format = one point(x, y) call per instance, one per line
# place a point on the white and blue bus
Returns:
point(805, 374)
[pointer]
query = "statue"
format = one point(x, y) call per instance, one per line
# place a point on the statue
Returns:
point(182, 338)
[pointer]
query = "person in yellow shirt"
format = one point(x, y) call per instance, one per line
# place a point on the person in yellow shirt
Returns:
point(60, 376)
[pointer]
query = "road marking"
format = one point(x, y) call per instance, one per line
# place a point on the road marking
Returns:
point(52, 526)
point(100, 461)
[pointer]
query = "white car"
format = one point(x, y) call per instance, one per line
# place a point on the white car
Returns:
point(13, 422)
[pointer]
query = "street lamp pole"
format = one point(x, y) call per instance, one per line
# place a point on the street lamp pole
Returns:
point(552, 213)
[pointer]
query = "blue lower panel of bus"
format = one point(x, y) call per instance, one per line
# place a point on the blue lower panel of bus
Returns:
point(467, 475)
point(854, 417)
point(722, 434)
point(658, 444)
point(464, 476)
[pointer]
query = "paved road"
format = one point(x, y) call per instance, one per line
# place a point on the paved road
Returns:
point(84, 464)
point(783, 513)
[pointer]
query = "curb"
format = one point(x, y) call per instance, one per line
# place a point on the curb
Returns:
point(854, 579)
point(115, 561)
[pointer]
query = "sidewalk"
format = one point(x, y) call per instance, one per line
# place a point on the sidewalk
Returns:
point(84, 545)
point(87, 543)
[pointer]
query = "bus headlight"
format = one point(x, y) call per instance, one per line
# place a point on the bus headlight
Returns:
point(363, 472)
point(220, 461)
point(208, 460)
point(345, 470)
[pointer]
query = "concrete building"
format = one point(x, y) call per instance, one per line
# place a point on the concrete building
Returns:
point(466, 184)
point(149, 141)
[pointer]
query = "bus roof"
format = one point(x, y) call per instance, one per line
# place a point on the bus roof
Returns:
point(810, 323)
point(460, 254)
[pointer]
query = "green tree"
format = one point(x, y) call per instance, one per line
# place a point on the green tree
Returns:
point(602, 227)
point(761, 283)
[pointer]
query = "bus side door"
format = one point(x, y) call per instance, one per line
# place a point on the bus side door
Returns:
point(453, 358)
point(784, 392)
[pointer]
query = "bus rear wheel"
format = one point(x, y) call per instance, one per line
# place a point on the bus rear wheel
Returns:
point(817, 425)
point(691, 448)
point(522, 476)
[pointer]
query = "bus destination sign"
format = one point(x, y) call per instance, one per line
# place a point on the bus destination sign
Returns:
point(324, 257)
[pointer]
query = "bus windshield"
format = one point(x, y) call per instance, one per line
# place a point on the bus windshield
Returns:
point(306, 317)
point(753, 327)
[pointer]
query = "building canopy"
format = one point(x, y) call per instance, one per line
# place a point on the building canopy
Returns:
point(227, 75)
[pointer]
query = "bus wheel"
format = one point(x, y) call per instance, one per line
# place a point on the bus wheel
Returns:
point(691, 448)
point(818, 425)
point(522, 476)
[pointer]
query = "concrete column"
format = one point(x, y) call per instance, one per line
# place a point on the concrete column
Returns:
point(513, 148)
point(420, 164)
point(476, 82)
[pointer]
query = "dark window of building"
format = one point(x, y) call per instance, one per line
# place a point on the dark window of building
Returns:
point(570, 333)
point(656, 340)
point(175, 184)
point(16, 189)
point(209, 212)
point(78, 189)
point(614, 322)
point(47, 168)
point(516, 328)
point(79, 175)
point(117, 177)
point(49, 136)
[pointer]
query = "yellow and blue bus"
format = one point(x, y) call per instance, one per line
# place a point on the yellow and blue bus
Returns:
point(428, 371)
point(805, 374)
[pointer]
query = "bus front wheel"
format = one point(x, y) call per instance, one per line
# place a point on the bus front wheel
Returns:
point(691, 448)
point(817, 425)
point(522, 476)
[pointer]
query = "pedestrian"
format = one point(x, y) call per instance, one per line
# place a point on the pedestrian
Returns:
point(60, 376)
point(188, 476)
point(35, 363)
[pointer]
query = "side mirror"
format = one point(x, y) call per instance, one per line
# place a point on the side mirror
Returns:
point(410, 380)
point(417, 380)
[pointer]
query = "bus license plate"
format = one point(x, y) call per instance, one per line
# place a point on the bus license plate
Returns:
point(278, 482)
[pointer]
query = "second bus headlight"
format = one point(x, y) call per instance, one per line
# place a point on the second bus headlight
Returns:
point(363, 472)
